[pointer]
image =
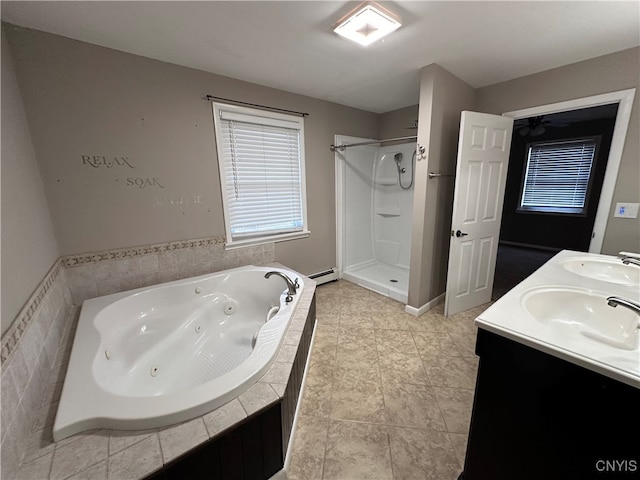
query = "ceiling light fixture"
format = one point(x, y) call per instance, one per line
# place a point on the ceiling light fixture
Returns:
point(367, 24)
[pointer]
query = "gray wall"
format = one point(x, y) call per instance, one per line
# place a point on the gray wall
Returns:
point(29, 246)
point(617, 71)
point(84, 101)
point(394, 124)
point(442, 97)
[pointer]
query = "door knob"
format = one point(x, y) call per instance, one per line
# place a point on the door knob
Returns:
point(461, 234)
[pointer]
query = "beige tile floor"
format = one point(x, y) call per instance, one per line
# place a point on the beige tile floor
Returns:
point(387, 395)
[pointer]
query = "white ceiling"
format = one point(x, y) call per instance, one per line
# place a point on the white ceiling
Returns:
point(290, 44)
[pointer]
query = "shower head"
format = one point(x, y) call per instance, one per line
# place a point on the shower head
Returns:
point(398, 157)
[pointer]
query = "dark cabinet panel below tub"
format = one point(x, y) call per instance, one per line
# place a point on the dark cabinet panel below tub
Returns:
point(253, 451)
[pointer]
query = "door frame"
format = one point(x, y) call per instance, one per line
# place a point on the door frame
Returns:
point(624, 98)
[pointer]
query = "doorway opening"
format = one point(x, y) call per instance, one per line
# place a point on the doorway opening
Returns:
point(556, 173)
point(458, 278)
point(624, 100)
point(517, 261)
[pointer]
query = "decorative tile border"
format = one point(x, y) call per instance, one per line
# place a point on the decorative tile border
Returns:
point(121, 253)
point(12, 336)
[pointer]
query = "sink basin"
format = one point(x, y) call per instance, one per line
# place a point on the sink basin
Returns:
point(577, 312)
point(612, 271)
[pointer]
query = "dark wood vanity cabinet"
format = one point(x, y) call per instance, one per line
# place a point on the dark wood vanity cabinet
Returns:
point(538, 417)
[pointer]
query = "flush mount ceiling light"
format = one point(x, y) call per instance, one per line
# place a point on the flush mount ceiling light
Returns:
point(366, 25)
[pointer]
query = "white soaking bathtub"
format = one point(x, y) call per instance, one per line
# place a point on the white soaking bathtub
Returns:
point(159, 355)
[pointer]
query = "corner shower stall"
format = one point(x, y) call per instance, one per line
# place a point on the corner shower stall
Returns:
point(374, 193)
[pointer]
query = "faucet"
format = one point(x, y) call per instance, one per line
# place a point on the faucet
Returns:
point(291, 285)
point(630, 304)
point(630, 261)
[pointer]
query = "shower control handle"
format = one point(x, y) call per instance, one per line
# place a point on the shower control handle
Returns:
point(461, 234)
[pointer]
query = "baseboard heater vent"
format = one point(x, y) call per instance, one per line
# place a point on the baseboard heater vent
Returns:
point(326, 276)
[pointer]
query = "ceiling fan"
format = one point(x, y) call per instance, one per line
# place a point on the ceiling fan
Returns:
point(535, 126)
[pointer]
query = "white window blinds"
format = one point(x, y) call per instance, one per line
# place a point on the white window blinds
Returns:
point(557, 176)
point(261, 163)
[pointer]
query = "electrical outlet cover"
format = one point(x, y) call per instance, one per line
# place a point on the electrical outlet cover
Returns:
point(626, 210)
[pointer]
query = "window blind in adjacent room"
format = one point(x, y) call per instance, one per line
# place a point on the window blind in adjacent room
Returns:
point(557, 176)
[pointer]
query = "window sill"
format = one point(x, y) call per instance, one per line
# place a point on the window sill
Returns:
point(264, 240)
point(572, 212)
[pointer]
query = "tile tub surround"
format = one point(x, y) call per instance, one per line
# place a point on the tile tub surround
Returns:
point(33, 352)
point(101, 273)
point(387, 395)
point(136, 454)
point(30, 346)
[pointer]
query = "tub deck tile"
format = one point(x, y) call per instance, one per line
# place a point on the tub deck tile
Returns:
point(38, 468)
point(121, 439)
point(178, 439)
point(278, 373)
point(96, 472)
point(136, 461)
point(287, 353)
point(279, 388)
point(78, 455)
point(224, 417)
point(292, 337)
point(299, 319)
point(257, 397)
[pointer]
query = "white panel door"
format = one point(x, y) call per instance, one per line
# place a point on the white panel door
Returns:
point(481, 175)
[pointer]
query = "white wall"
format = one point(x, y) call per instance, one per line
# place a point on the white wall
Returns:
point(358, 176)
point(393, 206)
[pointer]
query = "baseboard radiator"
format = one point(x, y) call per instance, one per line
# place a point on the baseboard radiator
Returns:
point(330, 275)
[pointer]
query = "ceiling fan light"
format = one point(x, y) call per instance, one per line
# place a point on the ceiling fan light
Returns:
point(538, 130)
point(367, 25)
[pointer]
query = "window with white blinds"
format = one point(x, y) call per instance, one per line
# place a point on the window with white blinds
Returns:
point(261, 161)
point(558, 176)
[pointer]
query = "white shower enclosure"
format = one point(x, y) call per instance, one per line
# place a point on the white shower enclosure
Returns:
point(374, 215)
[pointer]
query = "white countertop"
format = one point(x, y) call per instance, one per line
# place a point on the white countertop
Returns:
point(566, 340)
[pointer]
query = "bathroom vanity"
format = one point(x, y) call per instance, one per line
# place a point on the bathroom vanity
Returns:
point(558, 388)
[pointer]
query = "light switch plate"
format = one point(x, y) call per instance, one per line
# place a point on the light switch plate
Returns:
point(627, 210)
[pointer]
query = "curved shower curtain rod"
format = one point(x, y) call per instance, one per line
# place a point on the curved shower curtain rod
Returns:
point(341, 147)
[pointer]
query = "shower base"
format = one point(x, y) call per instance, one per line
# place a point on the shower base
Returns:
point(388, 280)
